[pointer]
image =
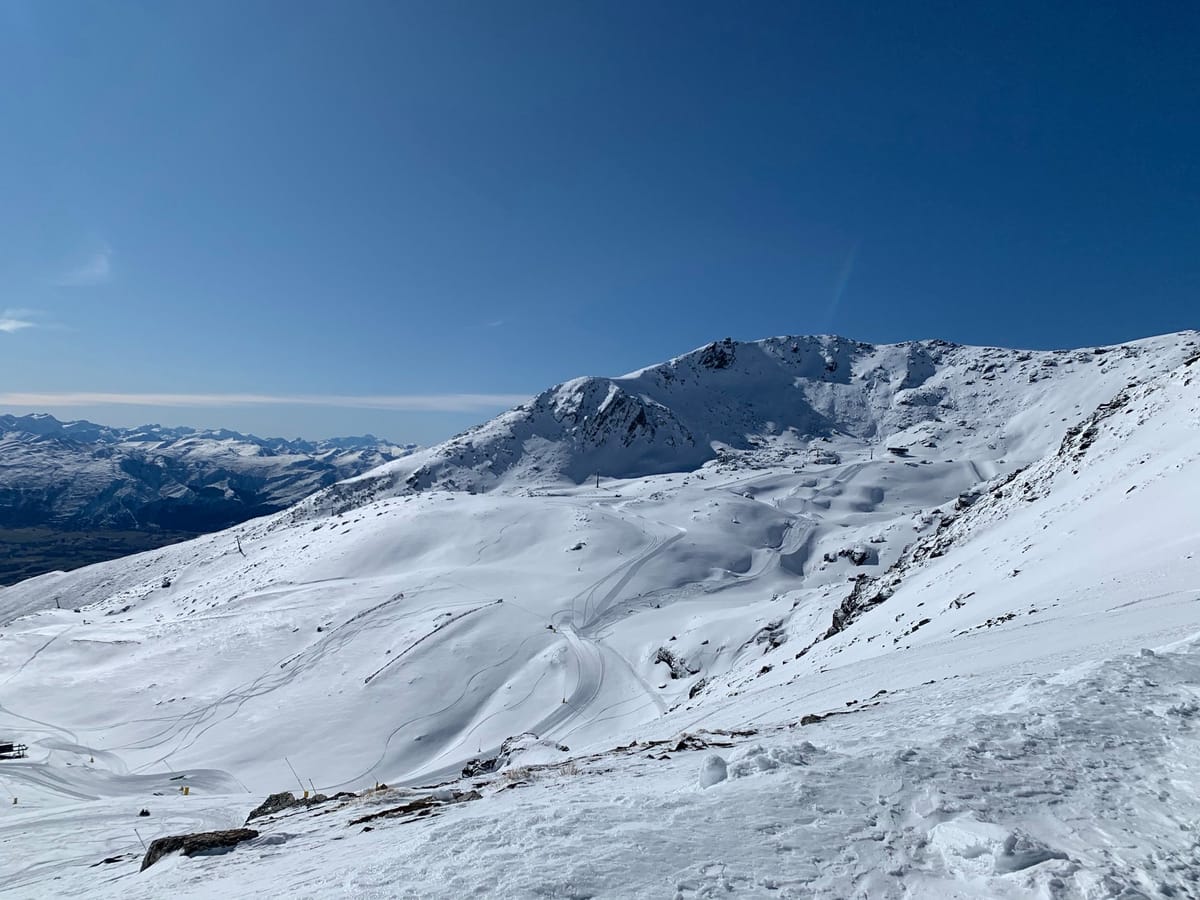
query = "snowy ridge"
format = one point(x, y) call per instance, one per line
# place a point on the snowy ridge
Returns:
point(981, 722)
point(732, 397)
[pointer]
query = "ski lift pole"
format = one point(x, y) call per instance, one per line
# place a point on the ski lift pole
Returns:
point(298, 781)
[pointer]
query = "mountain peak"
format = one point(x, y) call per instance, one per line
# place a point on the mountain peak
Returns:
point(776, 396)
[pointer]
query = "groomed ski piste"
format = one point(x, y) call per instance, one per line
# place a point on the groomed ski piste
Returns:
point(930, 627)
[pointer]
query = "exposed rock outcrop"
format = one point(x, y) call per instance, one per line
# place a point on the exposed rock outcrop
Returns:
point(281, 801)
point(204, 842)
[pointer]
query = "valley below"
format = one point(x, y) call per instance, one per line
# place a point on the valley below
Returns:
point(28, 552)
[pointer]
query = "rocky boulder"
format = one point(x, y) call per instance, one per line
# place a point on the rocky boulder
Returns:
point(203, 842)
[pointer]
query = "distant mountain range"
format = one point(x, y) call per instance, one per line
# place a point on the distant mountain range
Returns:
point(80, 475)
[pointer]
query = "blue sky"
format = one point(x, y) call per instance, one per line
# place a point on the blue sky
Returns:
point(318, 218)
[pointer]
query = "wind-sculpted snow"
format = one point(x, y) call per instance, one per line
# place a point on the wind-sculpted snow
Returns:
point(1159, 417)
point(981, 721)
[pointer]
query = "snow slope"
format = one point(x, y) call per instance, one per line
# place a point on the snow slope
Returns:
point(923, 673)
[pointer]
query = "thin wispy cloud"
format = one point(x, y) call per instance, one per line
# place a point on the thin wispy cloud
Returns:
point(16, 320)
point(395, 402)
point(839, 288)
point(96, 269)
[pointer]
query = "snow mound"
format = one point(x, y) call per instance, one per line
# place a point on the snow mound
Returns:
point(757, 758)
point(713, 770)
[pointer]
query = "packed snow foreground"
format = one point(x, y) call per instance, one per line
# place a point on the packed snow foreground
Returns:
point(797, 618)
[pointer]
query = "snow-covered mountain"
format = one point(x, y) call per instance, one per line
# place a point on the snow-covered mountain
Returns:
point(838, 621)
point(767, 400)
point(77, 475)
